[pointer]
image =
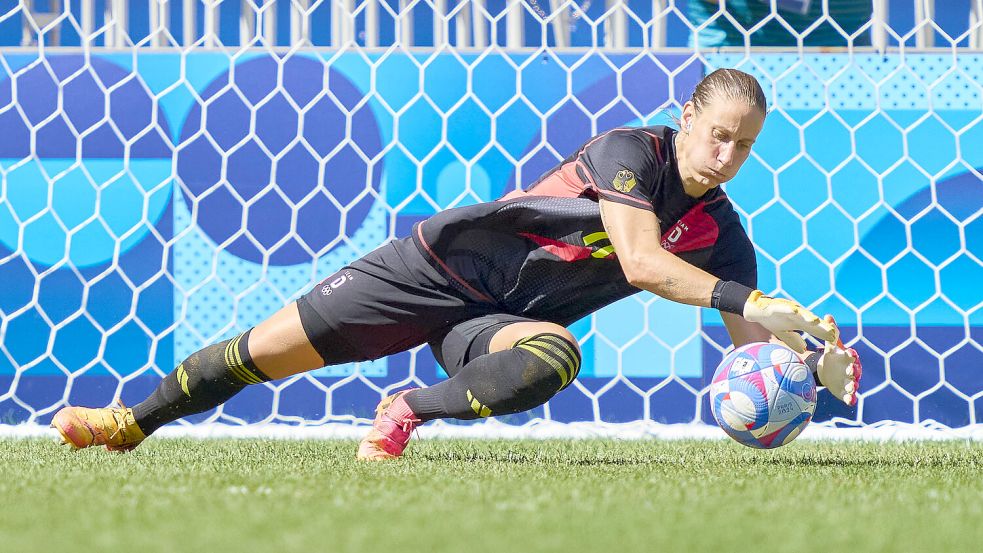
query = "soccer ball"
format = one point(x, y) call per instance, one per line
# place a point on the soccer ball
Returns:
point(762, 395)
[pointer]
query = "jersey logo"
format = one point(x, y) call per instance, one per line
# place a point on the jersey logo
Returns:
point(694, 231)
point(600, 252)
point(624, 181)
point(573, 252)
point(327, 288)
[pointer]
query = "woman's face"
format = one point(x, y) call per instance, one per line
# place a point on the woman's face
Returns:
point(716, 142)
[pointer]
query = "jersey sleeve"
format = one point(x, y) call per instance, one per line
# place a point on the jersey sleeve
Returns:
point(623, 168)
point(733, 257)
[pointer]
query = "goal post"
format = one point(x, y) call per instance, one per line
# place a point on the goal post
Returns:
point(158, 197)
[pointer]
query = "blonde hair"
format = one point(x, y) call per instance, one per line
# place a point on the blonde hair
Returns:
point(731, 84)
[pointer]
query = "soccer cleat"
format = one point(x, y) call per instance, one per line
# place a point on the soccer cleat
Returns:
point(391, 429)
point(113, 427)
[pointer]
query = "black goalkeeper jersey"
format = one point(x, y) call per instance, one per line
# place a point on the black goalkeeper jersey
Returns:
point(542, 252)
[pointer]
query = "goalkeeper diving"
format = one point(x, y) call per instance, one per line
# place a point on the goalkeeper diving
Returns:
point(492, 287)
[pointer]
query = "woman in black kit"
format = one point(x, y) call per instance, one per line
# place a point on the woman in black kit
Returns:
point(491, 287)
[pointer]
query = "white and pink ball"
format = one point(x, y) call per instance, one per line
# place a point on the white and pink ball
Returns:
point(762, 395)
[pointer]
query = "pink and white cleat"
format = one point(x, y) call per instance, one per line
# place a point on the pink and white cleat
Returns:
point(391, 429)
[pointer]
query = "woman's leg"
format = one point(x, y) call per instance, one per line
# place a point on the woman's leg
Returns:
point(279, 346)
point(520, 366)
point(353, 315)
point(526, 364)
point(276, 348)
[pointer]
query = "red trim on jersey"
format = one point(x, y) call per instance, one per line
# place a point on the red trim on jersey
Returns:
point(565, 182)
point(562, 183)
point(600, 136)
point(590, 178)
point(448, 270)
point(720, 198)
point(658, 146)
point(694, 230)
point(604, 192)
point(563, 250)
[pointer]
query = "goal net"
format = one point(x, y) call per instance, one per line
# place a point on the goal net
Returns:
point(171, 176)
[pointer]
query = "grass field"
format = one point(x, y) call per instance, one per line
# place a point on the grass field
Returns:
point(492, 497)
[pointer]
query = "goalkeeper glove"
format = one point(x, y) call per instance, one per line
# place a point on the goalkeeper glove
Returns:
point(838, 368)
point(780, 316)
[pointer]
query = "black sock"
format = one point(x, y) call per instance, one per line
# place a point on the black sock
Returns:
point(502, 383)
point(206, 379)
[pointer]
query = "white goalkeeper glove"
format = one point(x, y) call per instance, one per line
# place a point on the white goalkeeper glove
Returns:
point(839, 369)
point(783, 317)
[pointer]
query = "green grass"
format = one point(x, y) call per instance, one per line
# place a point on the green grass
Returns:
point(492, 497)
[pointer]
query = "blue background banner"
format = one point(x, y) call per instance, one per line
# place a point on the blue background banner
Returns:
point(156, 202)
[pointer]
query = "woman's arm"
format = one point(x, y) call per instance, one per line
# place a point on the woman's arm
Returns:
point(637, 239)
point(743, 332)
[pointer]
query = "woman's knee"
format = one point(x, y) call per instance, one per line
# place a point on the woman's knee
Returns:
point(508, 336)
point(552, 355)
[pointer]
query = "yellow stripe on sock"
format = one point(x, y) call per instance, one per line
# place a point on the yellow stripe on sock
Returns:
point(234, 362)
point(573, 357)
point(521, 341)
point(569, 360)
point(567, 347)
point(244, 374)
point(230, 362)
point(237, 372)
point(552, 361)
point(228, 355)
point(182, 378)
point(477, 407)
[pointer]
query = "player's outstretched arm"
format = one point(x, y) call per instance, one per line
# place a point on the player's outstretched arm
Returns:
point(636, 237)
point(637, 240)
point(743, 331)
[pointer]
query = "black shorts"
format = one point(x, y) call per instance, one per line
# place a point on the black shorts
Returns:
point(392, 300)
point(461, 343)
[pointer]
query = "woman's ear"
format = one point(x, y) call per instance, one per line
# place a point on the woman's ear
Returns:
point(687, 115)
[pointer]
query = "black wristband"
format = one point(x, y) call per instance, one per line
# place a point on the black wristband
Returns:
point(730, 296)
point(812, 361)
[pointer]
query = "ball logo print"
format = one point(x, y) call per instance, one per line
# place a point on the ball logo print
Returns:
point(742, 365)
point(762, 395)
point(809, 391)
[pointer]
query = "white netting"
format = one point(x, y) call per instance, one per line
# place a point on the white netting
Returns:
point(168, 183)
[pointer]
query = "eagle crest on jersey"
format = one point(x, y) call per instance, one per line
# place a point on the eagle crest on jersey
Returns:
point(624, 181)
